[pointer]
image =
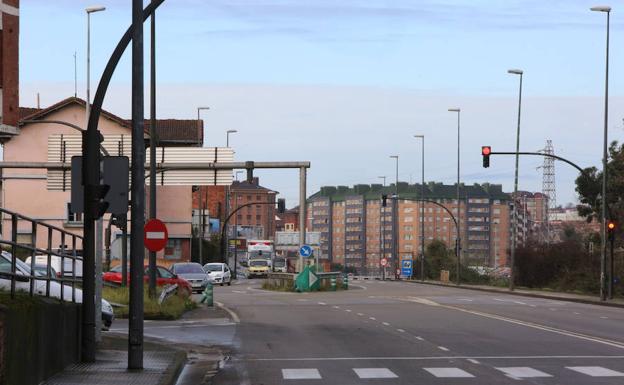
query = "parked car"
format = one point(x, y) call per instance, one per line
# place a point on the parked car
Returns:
point(218, 273)
point(55, 263)
point(193, 273)
point(163, 277)
point(280, 265)
point(42, 270)
point(23, 284)
point(258, 268)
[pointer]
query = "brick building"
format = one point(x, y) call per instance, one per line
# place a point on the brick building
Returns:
point(356, 230)
point(9, 69)
point(255, 221)
point(288, 221)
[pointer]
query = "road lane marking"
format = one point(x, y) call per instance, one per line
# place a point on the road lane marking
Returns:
point(517, 372)
point(420, 338)
point(604, 341)
point(577, 313)
point(301, 374)
point(348, 310)
point(374, 373)
point(603, 317)
point(372, 318)
point(519, 302)
point(449, 373)
point(443, 348)
point(473, 361)
point(429, 358)
point(596, 371)
point(336, 307)
point(231, 312)
point(400, 330)
point(322, 303)
point(360, 314)
point(465, 299)
point(385, 324)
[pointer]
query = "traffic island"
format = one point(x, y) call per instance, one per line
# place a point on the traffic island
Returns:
point(170, 308)
point(306, 281)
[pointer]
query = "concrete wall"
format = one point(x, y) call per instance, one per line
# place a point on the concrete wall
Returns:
point(37, 339)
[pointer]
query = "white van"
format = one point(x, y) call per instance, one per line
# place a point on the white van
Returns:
point(55, 262)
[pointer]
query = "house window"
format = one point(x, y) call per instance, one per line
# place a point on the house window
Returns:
point(73, 217)
point(173, 249)
point(290, 227)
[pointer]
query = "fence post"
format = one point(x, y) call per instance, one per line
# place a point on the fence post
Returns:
point(49, 261)
point(13, 252)
point(33, 255)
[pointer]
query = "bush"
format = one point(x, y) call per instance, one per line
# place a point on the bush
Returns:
point(172, 308)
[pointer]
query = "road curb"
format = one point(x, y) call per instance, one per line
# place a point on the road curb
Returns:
point(523, 294)
point(174, 369)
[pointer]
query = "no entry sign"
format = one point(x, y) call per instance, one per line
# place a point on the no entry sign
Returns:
point(156, 235)
point(384, 262)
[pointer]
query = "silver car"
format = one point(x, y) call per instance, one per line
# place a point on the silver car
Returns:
point(193, 273)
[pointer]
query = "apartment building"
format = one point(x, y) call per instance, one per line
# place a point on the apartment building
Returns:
point(357, 230)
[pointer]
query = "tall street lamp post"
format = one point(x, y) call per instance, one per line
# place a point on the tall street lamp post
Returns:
point(395, 217)
point(422, 210)
point(99, 224)
point(514, 234)
point(458, 246)
point(603, 248)
point(227, 137)
point(202, 224)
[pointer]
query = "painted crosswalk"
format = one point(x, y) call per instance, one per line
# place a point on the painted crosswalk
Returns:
point(514, 372)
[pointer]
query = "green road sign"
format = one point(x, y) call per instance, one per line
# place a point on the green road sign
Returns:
point(307, 280)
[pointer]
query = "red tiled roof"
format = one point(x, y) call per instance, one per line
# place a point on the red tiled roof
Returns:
point(170, 131)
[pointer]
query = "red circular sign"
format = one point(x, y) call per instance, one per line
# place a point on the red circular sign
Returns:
point(156, 235)
point(384, 262)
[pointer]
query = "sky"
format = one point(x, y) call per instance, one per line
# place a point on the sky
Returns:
point(345, 84)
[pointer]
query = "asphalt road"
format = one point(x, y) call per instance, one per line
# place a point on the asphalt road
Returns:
point(406, 333)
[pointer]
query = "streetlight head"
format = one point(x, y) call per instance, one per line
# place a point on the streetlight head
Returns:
point(601, 8)
point(515, 72)
point(95, 8)
point(203, 108)
point(394, 156)
point(231, 131)
point(419, 136)
point(454, 109)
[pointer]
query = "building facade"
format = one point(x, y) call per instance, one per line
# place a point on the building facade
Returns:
point(357, 230)
point(9, 69)
point(27, 191)
point(255, 221)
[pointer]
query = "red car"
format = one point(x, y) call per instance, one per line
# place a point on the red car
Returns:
point(163, 277)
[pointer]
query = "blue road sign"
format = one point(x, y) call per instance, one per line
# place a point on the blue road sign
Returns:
point(306, 251)
point(406, 267)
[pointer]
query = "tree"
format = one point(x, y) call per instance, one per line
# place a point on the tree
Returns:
point(589, 188)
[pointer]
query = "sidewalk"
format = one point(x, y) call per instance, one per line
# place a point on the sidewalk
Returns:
point(546, 294)
point(161, 366)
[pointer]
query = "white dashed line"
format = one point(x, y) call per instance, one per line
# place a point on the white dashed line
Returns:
point(400, 330)
point(336, 307)
point(348, 310)
point(322, 303)
point(603, 317)
point(577, 313)
point(443, 348)
point(373, 318)
point(473, 361)
point(385, 324)
point(420, 338)
point(360, 314)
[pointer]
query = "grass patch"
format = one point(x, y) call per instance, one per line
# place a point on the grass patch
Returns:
point(172, 308)
point(22, 299)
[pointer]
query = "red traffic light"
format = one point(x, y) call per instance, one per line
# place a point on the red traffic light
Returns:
point(486, 150)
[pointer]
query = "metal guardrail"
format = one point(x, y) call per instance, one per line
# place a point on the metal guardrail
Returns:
point(63, 253)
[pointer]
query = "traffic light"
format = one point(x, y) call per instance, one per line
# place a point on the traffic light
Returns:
point(281, 206)
point(611, 227)
point(486, 151)
point(384, 199)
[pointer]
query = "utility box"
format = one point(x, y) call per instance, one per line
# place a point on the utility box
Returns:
point(444, 276)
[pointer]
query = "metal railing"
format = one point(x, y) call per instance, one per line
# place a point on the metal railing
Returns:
point(35, 226)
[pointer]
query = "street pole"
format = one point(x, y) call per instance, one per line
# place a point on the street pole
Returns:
point(422, 211)
point(137, 210)
point(395, 218)
point(93, 242)
point(153, 139)
point(201, 199)
point(458, 246)
point(514, 228)
point(603, 248)
point(382, 232)
point(227, 205)
point(302, 211)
